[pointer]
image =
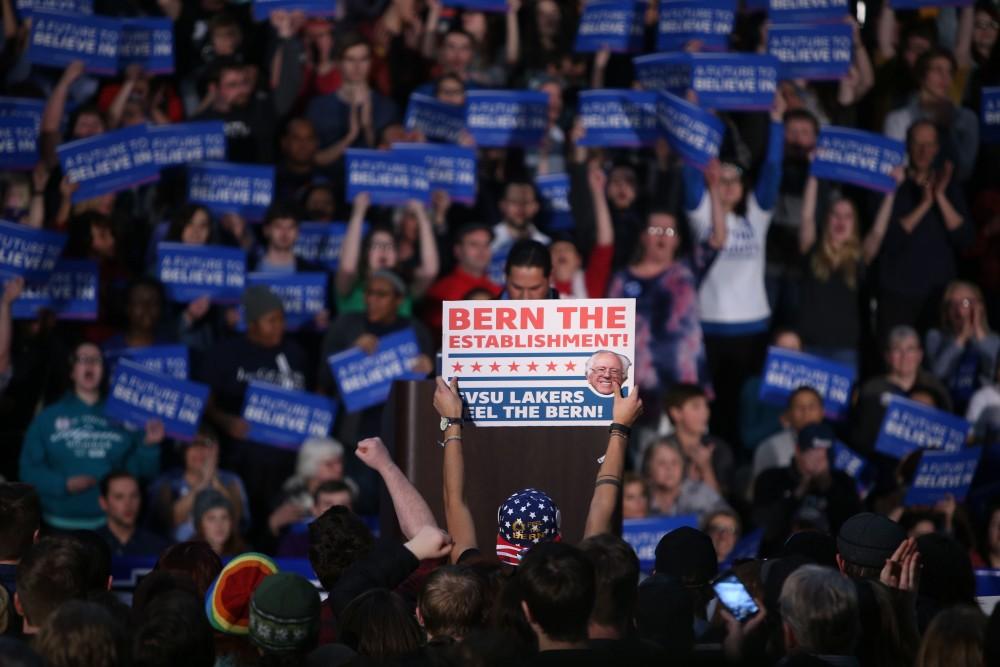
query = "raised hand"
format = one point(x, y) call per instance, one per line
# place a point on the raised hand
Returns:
point(155, 432)
point(373, 454)
point(626, 409)
point(430, 542)
point(447, 400)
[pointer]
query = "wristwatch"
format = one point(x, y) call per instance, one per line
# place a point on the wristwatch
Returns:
point(451, 421)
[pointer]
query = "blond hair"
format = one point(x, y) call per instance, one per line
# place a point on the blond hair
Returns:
point(843, 259)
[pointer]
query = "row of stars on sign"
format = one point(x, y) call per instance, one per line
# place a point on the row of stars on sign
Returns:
point(513, 366)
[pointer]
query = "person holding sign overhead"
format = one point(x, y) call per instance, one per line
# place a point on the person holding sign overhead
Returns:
point(70, 446)
point(735, 314)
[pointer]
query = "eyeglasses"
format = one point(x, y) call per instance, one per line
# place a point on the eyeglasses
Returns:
point(89, 361)
point(963, 303)
point(720, 530)
point(604, 370)
point(661, 231)
point(384, 246)
point(986, 25)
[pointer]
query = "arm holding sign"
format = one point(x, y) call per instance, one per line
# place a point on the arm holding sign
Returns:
point(412, 510)
point(861, 76)
point(608, 486)
point(512, 49)
point(350, 249)
point(769, 179)
point(11, 290)
point(807, 226)
point(873, 239)
point(717, 238)
point(458, 516)
point(49, 136)
point(427, 272)
point(132, 75)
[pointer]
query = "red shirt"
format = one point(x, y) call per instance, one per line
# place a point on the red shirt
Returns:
point(596, 274)
point(453, 287)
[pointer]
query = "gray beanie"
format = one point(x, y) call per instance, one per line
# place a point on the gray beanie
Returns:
point(259, 300)
point(209, 499)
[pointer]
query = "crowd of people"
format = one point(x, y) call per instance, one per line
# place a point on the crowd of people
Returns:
point(724, 262)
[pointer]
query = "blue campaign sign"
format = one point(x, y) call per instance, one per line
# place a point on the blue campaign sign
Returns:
point(138, 395)
point(787, 370)
point(644, 534)
point(478, 5)
point(618, 118)
point(707, 21)
point(617, 25)
point(109, 162)
point(285, 417)
point(439, 121)
point(69, 292)
point(852, 464)
point(29, 252)
point(449, 168)
point(320, 242)
point(262, 8)
point(502, 118)
point(20, 122)
point(27, 7)
point(303, 294)
point(731, 81)
point(940, 474)
point(191, 271)
point(554, 189)
point(148, 42)
point(691, 131)
point(184, 143)
point(812, 51)
point(169, 360)
point(989, 118)
point(861, 158)
point(807, 11)
point(390, 177)
point(908, 426)
point(988, 587)
point(364, 380)
point(58, 39)
point(18, 143)
point(228, 187)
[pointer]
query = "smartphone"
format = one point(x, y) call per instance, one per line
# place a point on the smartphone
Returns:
point(734, 597)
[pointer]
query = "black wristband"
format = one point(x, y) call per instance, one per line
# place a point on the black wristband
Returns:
point(620, 428)
point(613, 481)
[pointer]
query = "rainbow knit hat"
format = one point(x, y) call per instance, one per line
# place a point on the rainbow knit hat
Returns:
point(227, 602)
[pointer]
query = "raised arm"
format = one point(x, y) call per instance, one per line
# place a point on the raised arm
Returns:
point(886, 33)
point(428, 42)
point(350, 249)
point(602, 212)
point(427, 272)
point(720, 231)
point(11, 290)
point(411, 508)
point(861, 76)
point(458, 516)
point(117, 109)
point(53, 113)
point(513, 46)
point(608, 486)
point(873, 239)
point(769, 180)
point(963, 40)
point(807, 229)
point(601, 59)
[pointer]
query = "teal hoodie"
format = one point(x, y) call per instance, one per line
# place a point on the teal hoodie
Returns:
point(71, 438)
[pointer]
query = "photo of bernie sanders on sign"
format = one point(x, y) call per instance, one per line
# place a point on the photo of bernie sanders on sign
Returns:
point(539, 363)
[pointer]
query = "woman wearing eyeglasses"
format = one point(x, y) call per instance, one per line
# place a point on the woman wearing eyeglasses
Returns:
point(71, 445)
point(669, 344)
point(962, 353)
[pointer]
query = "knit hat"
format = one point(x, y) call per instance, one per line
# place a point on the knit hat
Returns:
point(818, 547)
point(284, 613)
point(816, 436)
point(525, 519)
point(209, 499)
point(688, 555)
point(868, 539)
point(258, 301)
point(391, 278)
point(227, 602)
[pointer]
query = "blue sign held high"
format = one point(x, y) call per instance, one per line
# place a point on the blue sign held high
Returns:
point(554, 189)
point(228, 187)
point(507, 117)
point(439, 121)
point(618, 118)
point(908, 426)
point(989, 117)
point(192, 271)
point(940, 474)
point(109, 162)
point(389, 177)
point(694, 133)
point(58, 39)
point(451, 169)
point(20, 123)
point(707, 21)
point(169, 360)
point(812, 51)
point(184, 143)
point(148, 42)
point(302, 294)
point(285, 417)
point(861, 158)
point(138, 395)
point(364, 380)
point(617, 25)
point(69, 292)
point(807, 11)
point(787, 370)
point(262, 9)
point(29, 252)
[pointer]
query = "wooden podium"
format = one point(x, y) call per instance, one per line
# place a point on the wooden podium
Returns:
point(561, 461)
